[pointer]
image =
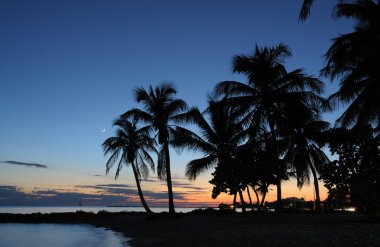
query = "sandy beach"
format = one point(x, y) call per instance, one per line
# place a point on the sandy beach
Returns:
point(287, 229)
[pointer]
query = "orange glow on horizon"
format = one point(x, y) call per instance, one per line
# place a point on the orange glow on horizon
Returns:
point(187, 193)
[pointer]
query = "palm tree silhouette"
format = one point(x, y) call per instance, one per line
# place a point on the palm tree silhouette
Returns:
point(354, 58)
point(130, 146)
point(220, 138)
point(303, 153)
point(160, 111)
point(270, 94)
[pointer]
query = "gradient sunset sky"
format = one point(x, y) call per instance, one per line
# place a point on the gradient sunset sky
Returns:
point(67, 69)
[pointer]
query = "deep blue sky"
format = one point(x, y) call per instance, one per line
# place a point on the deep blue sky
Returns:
point(67, 68)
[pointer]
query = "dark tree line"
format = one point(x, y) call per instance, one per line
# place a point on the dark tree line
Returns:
point(269, 129)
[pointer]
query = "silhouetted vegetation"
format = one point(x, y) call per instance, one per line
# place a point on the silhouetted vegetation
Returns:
point(160, 112)
point(131, 146)
point(276, 106)
point(220, 141)
point(258, 133)
point(354, 59)
point(352, 180)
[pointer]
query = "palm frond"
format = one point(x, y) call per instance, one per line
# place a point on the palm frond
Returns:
point(305, 10)
point(122, 161)
point(161, 164)
point(175, 107)
point(357, 107)
point(111, 161)
point(297, 81)
point(166, 89)
point(186, 139)
point(111, 144)
point(319, 157)
point(361, 11)
point(140, 94)
point(149, 160)
point(279, 53)
point(197, 166)
point(142, 168)
point(194, 116)
point(138, 114)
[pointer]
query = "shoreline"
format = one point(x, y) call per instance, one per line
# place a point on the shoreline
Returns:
point(233, 229)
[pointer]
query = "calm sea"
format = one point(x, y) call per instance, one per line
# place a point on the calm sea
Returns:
point(29, 210)
point(65, 235)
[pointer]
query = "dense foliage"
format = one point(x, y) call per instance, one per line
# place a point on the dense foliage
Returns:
point(354, 178)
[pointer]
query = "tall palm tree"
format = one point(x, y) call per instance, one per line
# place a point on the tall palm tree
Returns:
point(221, 135)
point(270, 91)
point(160, 111)
point(354, 58)
point(130, 146)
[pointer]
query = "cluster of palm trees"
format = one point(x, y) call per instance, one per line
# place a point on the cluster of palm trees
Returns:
point(261, 132)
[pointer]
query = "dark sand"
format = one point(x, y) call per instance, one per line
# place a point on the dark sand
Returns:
point(287, 229)
point(249, 230)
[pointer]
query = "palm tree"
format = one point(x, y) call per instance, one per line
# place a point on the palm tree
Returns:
point(130, 146)
point(270, 93)
point(160, 111)
point(354, 58)
point(303, 153)
point(220, 138)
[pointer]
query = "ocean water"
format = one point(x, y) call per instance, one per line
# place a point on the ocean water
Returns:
point(29, 210)
point(59, 235)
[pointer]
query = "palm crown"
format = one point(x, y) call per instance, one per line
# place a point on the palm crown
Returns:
point(131, 146)
point(271, 90)
point(220, 136)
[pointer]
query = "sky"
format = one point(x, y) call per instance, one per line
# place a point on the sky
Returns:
point(68, 68)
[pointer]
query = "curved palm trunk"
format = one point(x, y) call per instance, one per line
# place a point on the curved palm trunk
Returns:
point(258, 205)
point(316, 185)
point(279, 203)
point(242, 200)
point(250, 199)
point(169, 178)
point(147, 209)
point(262, 201)
point(257, 197)
point(234, 201)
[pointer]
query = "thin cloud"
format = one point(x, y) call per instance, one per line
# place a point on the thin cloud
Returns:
point(187, 185)
point(15, 196)
point(11, 162)
point(178, 177)
point(104, 186)
point(151, 180)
